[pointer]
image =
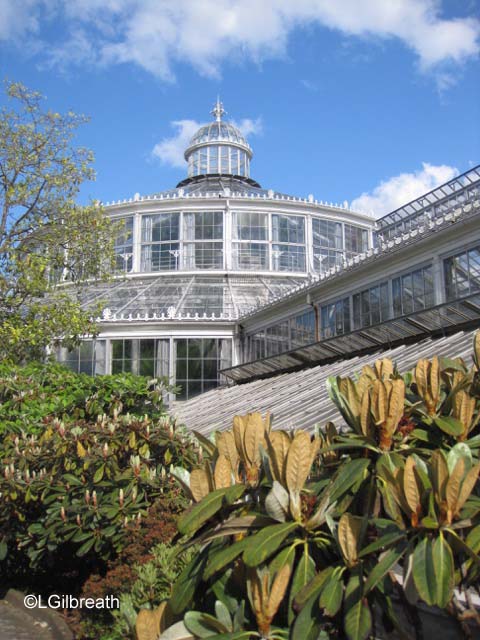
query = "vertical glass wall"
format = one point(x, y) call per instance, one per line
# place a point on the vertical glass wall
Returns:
point(203, 240)
point(371, 306)
point(413, 291)
point(176, 241)
point(462, 273)
point(198, 362)
point(141, 357)
point(219, 159)
point(160, 242)
point(88, 358)
point(356, 240)
point(302, 329)
point(335, 318)
point(288, 238)
point(195, 367)
point(250, 241)
point(288, 334)
point(123, 246)
point(327, 244)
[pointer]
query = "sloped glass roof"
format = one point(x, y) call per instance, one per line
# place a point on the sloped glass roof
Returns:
point(184, 296)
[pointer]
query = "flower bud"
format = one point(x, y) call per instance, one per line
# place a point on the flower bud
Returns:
point(87, 496)
point(120, 497)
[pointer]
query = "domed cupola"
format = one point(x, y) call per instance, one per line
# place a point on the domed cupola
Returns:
point(218, 148)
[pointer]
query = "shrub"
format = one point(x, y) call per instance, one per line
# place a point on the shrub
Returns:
point(145, 566)
point(33, 393)
point(305, 537)
point(80, 458)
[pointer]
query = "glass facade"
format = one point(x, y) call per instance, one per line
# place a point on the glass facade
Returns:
point(198, 362)
point(123, 246)
point(203, 240)
point(302, 329)
point(258, 241)
point(195, 366)
point(219, 159)
point(371, 306)
point(160, 242)
point(413, 291)
point(462, 273)
point(89, 357)
point(327, 244)
point(290, 232)
point(335, 318)
point(356, 240)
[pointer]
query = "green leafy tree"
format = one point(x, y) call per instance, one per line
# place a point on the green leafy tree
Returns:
point(47, 242)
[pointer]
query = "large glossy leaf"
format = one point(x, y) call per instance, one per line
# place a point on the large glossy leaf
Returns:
point(460, 450)
point(225, 556)
point(449, 425)
point(383, 566)
point(203, 625)
point(385, 541)
point(444, 571)
point(313, 588)
point(187, 583)
point(197, 515)
point(264, 543)
point(351, 473)
point(307, 625)
point(357, 619)
point(332, 593)
point(424, 571)
point(304, 572)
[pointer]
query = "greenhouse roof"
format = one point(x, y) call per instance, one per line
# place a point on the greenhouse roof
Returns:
point(185, 297)
point(300, 399)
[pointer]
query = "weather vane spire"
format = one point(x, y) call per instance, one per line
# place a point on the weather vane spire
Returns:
point(218, 111)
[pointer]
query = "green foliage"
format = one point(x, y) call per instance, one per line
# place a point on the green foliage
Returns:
point(31, 394)
point(44, 236)
point(74, 483)
point(309, 537)
point(153, 584)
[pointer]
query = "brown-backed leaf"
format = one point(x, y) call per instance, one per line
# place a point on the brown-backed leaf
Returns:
point(467, 486)
point(278, 590)
point(454, 482)
point(348, 535)
point(410, 486)
point(298, 462)
point(199, 484)
point(278, 443)
point(223, 472)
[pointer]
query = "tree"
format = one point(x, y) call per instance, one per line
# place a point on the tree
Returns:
point(49, 246)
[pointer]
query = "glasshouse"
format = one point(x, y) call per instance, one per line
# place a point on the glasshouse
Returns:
point(221, 281)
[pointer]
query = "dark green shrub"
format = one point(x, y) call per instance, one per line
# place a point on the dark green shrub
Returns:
point(74, 489)
point(30, 394)
point(146, 544)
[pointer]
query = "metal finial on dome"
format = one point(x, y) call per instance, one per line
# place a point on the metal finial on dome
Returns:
point(218, 111)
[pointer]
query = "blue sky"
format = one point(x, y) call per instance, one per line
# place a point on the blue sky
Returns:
point(370, 101)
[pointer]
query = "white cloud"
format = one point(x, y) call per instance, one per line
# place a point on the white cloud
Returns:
point(158, 35)
point(399, 190)
point(249, 127)
point(170, 150)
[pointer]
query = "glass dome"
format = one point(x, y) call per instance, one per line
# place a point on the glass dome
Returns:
point(218, 131)
point(218, 148)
